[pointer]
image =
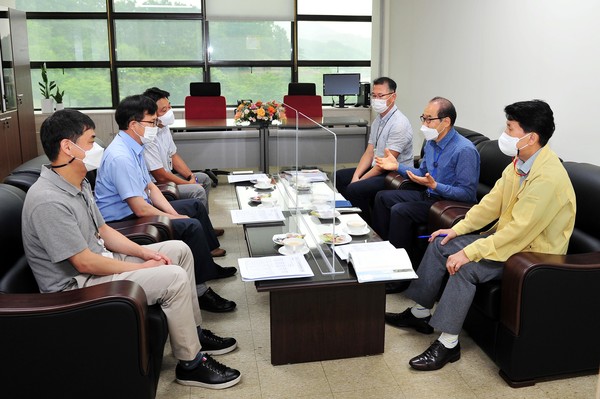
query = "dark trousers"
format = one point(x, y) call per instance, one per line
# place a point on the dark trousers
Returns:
point(361, 193)
point(396, 213)
point(198, 233)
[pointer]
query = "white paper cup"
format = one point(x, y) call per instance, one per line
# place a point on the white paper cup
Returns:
point(356, 226)
point(293, 245)
point(269, 202)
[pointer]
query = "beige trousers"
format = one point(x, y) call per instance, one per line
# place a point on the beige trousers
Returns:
point(173, 287)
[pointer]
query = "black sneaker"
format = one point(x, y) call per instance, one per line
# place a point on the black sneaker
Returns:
point(209, 374)
point(213, 302)
point(215, 345)
point(407, 319)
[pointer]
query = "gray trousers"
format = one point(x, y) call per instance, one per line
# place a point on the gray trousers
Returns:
point(197, 191)
point(458, 294)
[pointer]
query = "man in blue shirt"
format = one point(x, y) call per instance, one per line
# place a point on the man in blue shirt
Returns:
point(124, 189)
point(449, 170)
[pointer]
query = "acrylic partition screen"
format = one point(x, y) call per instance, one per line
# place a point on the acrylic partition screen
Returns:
point(302, 155)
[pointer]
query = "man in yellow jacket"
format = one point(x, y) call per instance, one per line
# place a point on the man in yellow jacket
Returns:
point(534, 205)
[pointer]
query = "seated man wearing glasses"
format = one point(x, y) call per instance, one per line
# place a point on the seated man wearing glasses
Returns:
point(124, 190)
point(391, 130)
point(449, 170)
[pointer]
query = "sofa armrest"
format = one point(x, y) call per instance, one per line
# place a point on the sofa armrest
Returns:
point(395, 181)
point(445, 214)
point(141, 234)
point(162, 223)
point(563, 275)
point(169, 190)
point(68, 310)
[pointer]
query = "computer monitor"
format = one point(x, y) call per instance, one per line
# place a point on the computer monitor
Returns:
point(341, 84)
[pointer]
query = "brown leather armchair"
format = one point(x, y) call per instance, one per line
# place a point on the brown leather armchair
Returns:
point(542, 318)
point(97, 342)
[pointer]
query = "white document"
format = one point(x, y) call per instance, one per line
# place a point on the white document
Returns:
point(240, 178)
point(343, 251)
point(257, 215)
point(377, 261)
point(274, 267)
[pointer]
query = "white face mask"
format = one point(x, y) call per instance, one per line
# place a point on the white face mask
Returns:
point(92, 157)
point(429, 132)
point(379, 105)
point(149, 134)
point(508, 144)
point(168, 118)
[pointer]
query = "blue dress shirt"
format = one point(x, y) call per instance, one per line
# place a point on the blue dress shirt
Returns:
point(454, 164)
point(122, 174)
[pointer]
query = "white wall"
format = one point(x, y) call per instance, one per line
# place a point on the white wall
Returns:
point(485, 54)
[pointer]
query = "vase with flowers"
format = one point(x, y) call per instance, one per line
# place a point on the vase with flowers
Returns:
point(261, 113)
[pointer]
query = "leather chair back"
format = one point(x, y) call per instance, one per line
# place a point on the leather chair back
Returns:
point(310, 106)
point(11, 245)
point(210, 107)
point(585, 179)
point(492, 163)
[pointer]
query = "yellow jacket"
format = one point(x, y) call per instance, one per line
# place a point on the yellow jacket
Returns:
point(536, 216)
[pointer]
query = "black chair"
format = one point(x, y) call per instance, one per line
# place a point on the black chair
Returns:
point(97, 342)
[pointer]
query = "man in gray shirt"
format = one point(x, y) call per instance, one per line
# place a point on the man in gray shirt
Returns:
point(392, 130)
point(68, 246)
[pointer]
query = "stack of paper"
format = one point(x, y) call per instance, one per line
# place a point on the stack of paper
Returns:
point(377, 261)
point(237, 178)
point(274, 267)
point(256, 215)
point(311, 175)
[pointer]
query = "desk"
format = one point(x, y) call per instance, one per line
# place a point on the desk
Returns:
point(322, 317)
point(220, 143)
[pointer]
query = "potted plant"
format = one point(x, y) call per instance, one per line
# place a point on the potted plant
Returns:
point(58, 97)
point(46, 88)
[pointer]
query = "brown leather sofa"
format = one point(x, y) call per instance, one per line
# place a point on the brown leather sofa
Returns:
point(97, 342)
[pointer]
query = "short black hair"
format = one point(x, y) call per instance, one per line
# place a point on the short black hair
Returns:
point(67, 124)
point(156, 94)
point(132, 108)
point(386, 81)
point(446, 110)
point(533, 116)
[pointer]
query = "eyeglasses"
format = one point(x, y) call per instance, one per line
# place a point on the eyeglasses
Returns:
point(153, 123)
point(427, 119)
point(380, 96)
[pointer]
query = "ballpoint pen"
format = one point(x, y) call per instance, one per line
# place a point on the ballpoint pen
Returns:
point(439, 235)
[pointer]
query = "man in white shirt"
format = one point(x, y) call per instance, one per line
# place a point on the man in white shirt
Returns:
point(162, 159)
point(390, 129)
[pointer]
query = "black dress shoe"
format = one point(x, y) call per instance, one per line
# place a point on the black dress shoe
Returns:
point(435, 357)
point(226, 271)
point(212, 302)
point(400, 286)
point(407, 319)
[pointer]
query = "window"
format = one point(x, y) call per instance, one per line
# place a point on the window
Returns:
point(101, 51)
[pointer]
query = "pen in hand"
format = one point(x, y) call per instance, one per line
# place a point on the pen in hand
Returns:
point(439, 235)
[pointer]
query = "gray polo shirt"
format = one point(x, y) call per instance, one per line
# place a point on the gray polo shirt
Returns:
point(58, 222)
point(394, 132)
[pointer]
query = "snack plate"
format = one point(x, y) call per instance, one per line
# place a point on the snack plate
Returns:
point(326, 215)
point(278, 238)
point(340, 239)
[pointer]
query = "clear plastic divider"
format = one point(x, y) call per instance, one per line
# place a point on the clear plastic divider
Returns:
point(302, 154)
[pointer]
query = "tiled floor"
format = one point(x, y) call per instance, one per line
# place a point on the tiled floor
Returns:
point(383, 376)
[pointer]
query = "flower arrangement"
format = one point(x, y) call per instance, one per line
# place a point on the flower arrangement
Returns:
point(259, 112)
